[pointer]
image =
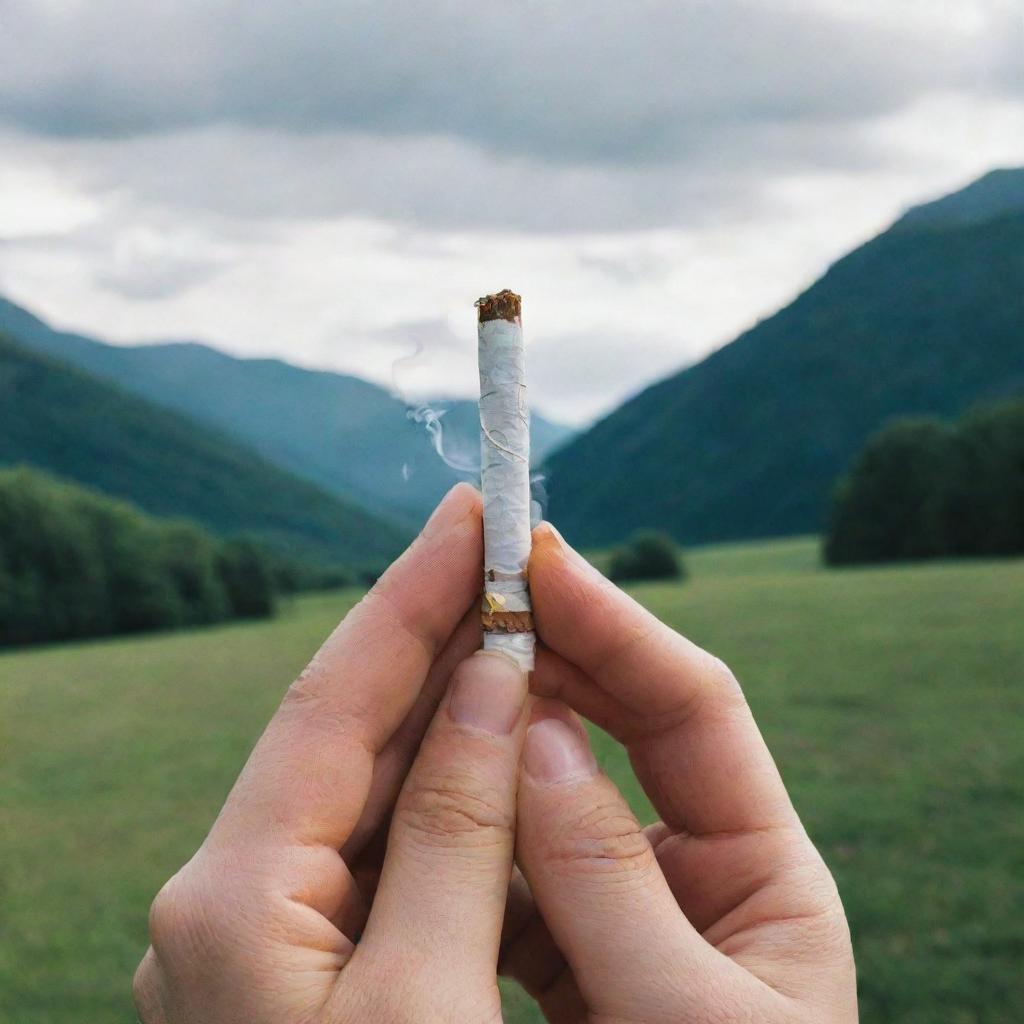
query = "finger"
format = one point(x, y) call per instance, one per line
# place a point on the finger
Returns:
point(530, 956)
point(679, 711)
point(726, 885)
point(728, 869)
point(528, 953)
point(441, 897)
point(392, 764)
point(594, 876)
point(308, 778)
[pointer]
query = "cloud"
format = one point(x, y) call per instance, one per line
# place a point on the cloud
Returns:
point(437, 182)
point(612, 83)
point(149, 262)
point(530, 116)
point(334, 182)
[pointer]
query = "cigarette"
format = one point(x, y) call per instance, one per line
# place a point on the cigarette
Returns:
point(505, 478)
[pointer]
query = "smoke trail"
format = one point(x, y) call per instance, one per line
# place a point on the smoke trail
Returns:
point(430, 415)
point(431, 419)
point(465, 458)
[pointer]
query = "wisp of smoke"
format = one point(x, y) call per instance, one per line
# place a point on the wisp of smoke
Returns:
point(431, 419)
point(461, 461)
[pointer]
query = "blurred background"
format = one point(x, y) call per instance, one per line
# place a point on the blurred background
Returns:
point(772, 260)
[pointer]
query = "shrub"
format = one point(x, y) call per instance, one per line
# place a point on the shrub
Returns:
point(647, 555)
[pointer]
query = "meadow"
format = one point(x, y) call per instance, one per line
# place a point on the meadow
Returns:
point(891, 697)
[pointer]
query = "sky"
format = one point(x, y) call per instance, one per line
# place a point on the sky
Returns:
point(334, 182)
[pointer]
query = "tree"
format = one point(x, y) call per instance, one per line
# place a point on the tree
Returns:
point(248, 578)
point(191, 558)
point(989, 496)
point(897, 501)
point(140, 591)
point(75, 563)
point(55, 575)
point(921, 489)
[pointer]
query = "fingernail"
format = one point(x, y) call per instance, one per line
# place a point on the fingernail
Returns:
point(446, 509)
point(551, 535)
point(488, 693)
point(549, 530)
point(556, 752)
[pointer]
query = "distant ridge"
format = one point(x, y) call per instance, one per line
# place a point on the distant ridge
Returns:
point(999, 192)
point(927, 318)
point(60, 419)
point(344, 434)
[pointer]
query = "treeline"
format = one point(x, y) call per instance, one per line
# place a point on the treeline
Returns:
point(74, 563)
point(923, 488)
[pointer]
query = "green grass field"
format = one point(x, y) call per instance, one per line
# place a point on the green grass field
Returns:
point(892, 699)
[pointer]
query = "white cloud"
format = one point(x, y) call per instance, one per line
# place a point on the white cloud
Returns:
point(36, 200)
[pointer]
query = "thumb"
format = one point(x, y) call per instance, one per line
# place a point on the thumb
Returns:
point(443, 886)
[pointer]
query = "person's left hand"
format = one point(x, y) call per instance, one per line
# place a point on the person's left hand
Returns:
point(261, 925)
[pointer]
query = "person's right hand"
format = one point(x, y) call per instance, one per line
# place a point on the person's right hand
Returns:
point(723, 911)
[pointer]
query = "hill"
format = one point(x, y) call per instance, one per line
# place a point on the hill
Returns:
point(78, 427)
point(927, 318)
point(346, 435)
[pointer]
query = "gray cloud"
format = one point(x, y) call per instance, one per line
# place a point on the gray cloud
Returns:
point(612, 82)
point(437, 181)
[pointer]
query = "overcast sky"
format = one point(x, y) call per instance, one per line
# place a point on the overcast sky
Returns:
point(335, 181)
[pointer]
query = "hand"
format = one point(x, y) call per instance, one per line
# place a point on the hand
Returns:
point(260, 927)
point(721, 912)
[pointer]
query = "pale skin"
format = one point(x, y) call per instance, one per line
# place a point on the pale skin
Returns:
point(417, 819)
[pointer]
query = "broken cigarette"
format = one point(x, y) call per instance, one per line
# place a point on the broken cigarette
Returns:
point(505, 478)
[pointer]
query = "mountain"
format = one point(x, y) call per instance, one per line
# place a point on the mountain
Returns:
point(344, 434)
point(927, 318)
point(999, 192)
point(76, 426)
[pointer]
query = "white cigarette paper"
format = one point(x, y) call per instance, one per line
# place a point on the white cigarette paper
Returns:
point(505, 479)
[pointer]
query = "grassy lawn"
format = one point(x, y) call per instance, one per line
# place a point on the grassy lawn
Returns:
point(892, 699)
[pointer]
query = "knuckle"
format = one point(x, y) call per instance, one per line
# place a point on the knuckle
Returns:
point(605, 838)
point(455, 811)
point(188, 920)
point(717, 691)
point(313, 702)
point(145, 990)
point(722, 681)
point(171, 915)
point(306, 692)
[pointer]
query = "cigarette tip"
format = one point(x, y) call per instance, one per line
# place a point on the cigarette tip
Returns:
point(503, 305)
